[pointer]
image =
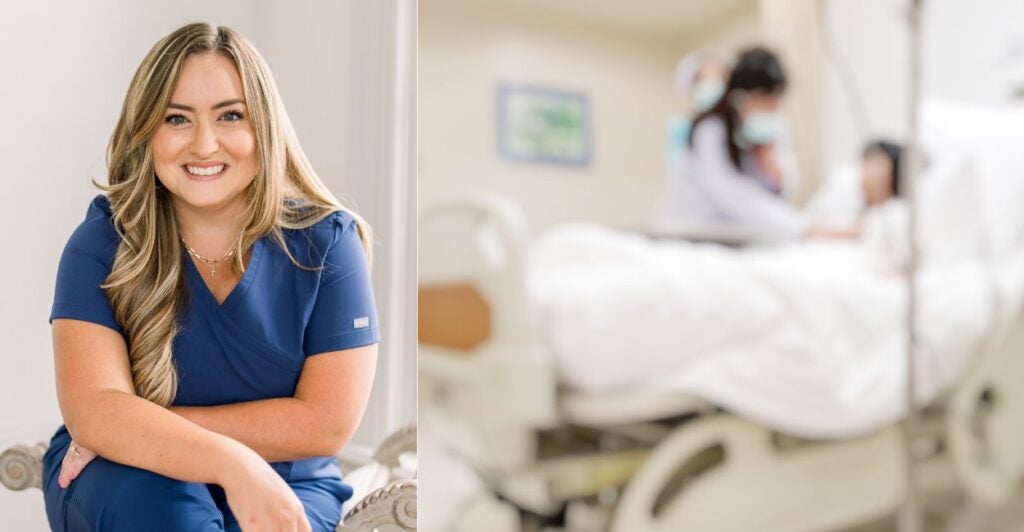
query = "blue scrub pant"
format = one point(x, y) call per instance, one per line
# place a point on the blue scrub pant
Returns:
point(112, 497)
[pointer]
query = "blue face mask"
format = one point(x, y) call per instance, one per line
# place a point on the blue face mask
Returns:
point(706, 94)
point(678, 135)
point(678, 132)
point(761, 128)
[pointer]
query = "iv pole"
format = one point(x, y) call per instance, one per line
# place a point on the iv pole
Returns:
point(910, 512)
point(909, 515)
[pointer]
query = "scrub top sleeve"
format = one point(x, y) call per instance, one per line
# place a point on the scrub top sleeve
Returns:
point(345, 314)
point(734, 193)
point(78, 294)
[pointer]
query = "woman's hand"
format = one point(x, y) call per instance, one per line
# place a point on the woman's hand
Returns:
point(768, 163)
point(850, 233)
point(261, 499)
point(74, 462)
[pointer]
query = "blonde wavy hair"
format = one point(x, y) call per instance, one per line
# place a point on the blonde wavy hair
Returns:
point(146, 286)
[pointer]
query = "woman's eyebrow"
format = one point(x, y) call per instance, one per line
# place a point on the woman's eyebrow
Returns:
point(225, 103)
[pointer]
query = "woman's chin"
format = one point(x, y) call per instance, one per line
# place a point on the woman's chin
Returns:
point(207, 196)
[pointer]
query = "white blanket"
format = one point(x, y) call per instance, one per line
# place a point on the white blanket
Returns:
point(809, 339)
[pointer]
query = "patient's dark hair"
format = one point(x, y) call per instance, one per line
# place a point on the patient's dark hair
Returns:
point(895, 153)
point(755, 69)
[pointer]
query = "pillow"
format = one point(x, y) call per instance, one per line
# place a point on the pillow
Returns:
point(950, 228)
point(839, 201)
point(950, 222)
point(994, 136)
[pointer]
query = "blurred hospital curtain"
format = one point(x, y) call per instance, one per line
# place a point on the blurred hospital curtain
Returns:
point(381, 182)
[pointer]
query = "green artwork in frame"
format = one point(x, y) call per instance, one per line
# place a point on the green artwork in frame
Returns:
point(545, 125)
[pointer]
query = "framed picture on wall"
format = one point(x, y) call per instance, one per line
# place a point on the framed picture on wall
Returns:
point(543, 125)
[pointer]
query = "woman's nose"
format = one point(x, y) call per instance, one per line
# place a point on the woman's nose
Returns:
point(205, 142)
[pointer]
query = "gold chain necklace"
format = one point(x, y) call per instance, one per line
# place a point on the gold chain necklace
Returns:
point(212, 263)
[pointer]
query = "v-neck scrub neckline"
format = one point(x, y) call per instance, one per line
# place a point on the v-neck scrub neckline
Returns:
point(198, 284)
point(277, 313)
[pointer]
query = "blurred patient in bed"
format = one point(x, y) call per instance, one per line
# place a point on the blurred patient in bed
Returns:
point(880, 172)
point(880, 186)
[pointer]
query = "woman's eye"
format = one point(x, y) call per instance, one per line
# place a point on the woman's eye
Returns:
point(232, 116)
point(176, 120)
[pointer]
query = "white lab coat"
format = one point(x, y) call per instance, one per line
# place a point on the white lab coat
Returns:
point(706, 190)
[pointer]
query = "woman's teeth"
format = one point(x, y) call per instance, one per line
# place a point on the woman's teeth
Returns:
point(196, 170)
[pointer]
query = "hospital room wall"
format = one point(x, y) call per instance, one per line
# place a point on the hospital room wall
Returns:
point(466, 51)
point(971, 51)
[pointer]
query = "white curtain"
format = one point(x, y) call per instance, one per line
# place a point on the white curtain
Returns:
point(382, 182)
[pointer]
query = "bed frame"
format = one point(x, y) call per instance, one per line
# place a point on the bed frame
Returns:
point(494, 381)
point(391, 505)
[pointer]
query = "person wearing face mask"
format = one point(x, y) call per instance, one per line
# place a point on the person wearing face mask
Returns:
point(737, 169)
point(700, 80)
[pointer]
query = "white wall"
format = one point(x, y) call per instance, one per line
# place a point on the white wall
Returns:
point(466, 51)
point(974, 51)
point(381, 179)
point(871, 38)
point(742, 28)
point(971, 51)
point(66, 66)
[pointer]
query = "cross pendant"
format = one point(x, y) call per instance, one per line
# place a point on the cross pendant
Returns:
point(213, 271)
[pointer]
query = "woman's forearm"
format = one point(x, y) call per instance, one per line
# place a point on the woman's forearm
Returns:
point(278, 429)
point(130, 430)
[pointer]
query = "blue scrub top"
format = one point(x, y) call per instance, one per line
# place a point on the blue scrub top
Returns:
point(253, 345)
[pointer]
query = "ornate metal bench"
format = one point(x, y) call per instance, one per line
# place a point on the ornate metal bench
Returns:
point(387, 501)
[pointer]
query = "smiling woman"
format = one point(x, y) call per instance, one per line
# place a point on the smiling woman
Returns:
point(204, 151)
point(214, 324)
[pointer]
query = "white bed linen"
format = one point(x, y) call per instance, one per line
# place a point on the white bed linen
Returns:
point(808, 338)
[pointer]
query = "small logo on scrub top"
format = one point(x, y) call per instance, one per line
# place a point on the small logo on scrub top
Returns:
point(361, 323)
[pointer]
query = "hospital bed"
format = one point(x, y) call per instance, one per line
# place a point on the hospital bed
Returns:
point(638, 459)
point(384, 490)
